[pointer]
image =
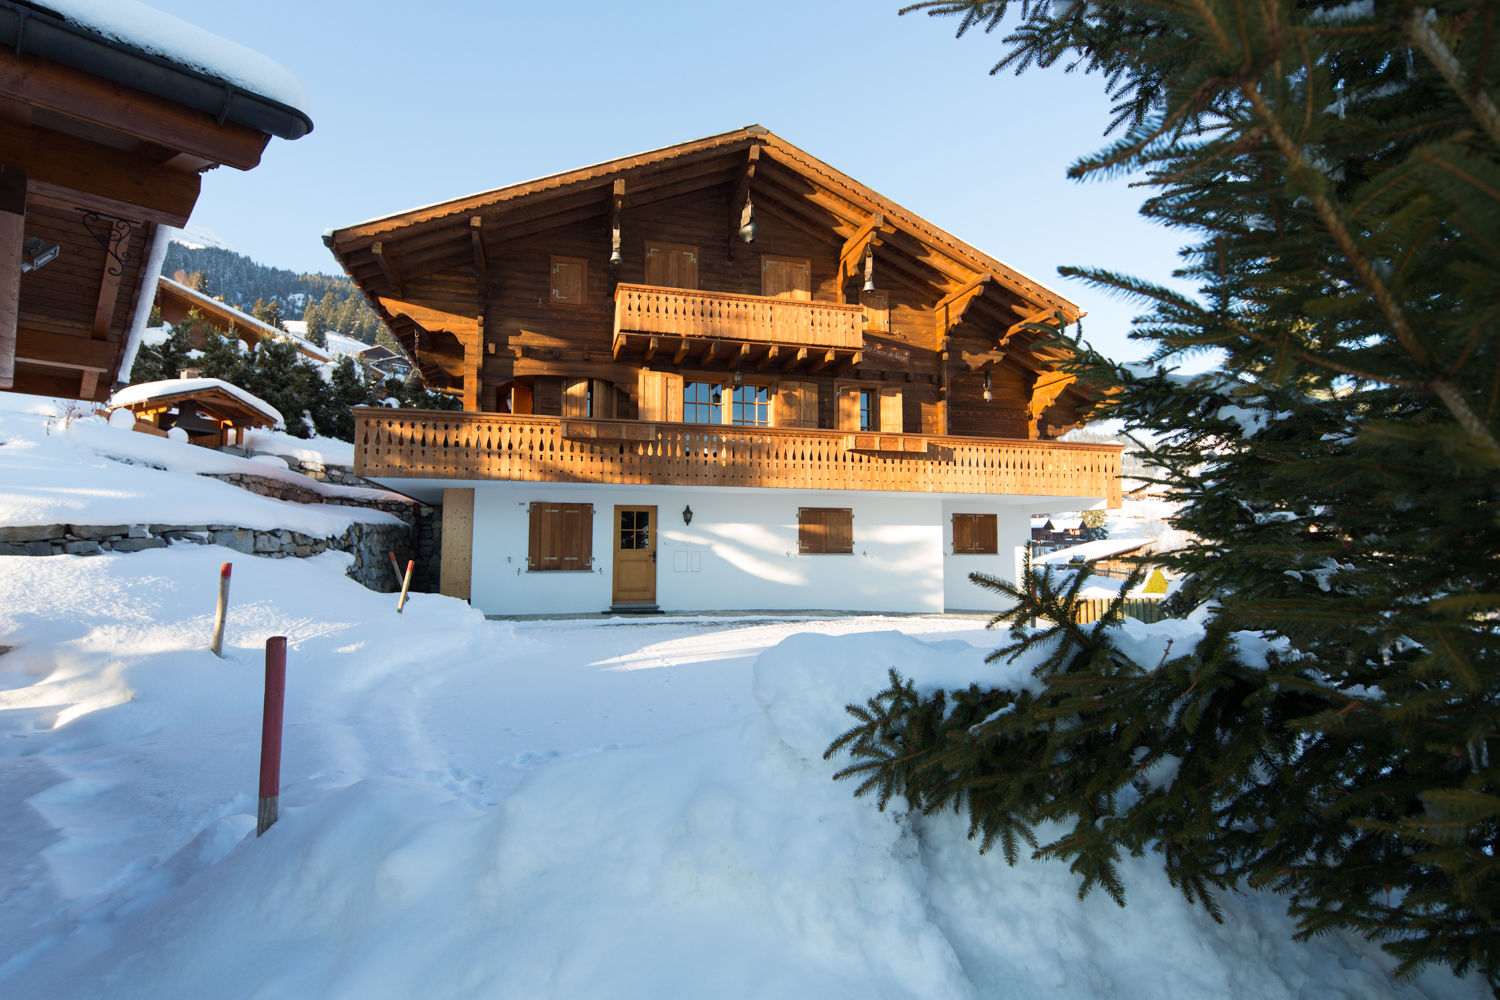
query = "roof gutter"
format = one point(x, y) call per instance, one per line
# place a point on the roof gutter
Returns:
point(32, 31)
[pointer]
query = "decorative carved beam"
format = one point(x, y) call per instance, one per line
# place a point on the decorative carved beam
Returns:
point(706, 357)
point(772, 353)
point(114, 234)
point(823, 360)
point(793, 359)
point(1044, 392)
point(652, 346)
point(951, 307)
point(377, 249)
point(1035, 316)
point(867, 235)
point(680, 352)
point(739, 356)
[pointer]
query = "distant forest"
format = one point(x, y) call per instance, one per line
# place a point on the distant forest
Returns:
point(326, 302)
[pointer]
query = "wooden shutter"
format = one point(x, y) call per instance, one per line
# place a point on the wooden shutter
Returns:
point(848, 407)
point(575, 397)
point(570, 281)
point(975, 534)
point(786, 278)
point(877, 310)
point(560, 536)
point(660, 396)
point(795, 405)
point(604, 400)
point(825, 529)
point(671, 265)
point(891, 419)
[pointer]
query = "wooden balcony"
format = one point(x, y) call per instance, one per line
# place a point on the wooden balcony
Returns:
point(429, 444)
point(717, 329)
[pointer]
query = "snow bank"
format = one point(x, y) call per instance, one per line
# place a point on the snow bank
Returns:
point(72, 469)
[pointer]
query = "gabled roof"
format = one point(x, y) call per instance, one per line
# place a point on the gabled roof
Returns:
point(382, 255)
point(222, 399)
point(233, 321)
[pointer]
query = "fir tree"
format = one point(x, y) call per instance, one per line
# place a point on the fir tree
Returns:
point(1095, 525)
point(1338, 168)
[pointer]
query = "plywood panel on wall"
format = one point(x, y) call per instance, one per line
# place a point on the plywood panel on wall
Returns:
point(456, 569)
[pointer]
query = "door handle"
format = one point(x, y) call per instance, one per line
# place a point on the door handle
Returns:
point(653, 555)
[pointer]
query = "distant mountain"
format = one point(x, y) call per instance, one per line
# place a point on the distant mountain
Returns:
point(325, 302)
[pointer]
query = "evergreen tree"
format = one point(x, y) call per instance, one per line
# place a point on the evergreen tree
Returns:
point(1095, 525)
point(1338, 167)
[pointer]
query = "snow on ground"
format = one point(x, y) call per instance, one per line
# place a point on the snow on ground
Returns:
point(60, 468)
point(323, 450)
point(592, 808)
point(570, 809)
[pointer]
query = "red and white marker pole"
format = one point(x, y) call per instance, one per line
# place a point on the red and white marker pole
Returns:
point(217, 644)
point(395, 568)
point(270, 735)
point(405, 584)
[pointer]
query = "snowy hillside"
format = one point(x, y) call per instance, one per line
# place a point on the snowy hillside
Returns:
point(594, 808)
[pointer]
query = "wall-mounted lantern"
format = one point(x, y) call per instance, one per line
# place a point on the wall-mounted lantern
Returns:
point(687, 515)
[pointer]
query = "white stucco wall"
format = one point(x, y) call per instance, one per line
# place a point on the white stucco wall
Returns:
point(740, 552)
point(1012, 529)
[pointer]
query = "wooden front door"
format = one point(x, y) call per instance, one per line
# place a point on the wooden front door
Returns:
point(635, 555)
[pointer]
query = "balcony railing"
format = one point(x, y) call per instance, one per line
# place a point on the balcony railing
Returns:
point(687, 313)
point(429, 444)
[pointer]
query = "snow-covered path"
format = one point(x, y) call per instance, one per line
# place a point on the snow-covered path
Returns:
point(542, 809)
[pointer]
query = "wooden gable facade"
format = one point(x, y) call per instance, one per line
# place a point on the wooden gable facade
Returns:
point(628, 291)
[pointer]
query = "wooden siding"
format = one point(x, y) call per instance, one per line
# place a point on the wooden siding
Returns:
point(423, 444)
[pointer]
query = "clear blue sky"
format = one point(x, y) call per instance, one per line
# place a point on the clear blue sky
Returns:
point(415, 103)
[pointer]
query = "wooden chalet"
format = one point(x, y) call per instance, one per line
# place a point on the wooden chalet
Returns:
point(102, 143)
point(710, 327)
point(177, 302)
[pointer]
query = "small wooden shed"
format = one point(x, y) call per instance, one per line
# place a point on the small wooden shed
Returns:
point(211, 411)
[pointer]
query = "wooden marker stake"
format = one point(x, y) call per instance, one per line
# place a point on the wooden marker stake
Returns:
point(270, 735)
point(217, 645)
point(406, 583)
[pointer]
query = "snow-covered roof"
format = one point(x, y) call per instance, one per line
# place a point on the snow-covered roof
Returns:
point(170, 38)
point(146, 391)
point(263, 329)
point(1103, 548)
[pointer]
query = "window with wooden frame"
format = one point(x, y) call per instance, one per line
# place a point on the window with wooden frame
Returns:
point(570, 281)
point(751, 406)
point(825, 530)
point(702, 403)
point(561, 536)
point(975, 535)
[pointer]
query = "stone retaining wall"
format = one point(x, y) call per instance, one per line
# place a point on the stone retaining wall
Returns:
point(370, 544)
point(279, 490)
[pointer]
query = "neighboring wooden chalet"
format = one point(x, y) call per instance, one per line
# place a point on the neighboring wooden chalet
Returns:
point(213, 413)
point(383, 363)
point(698, 372)
point(176, 301)
point(103, 139)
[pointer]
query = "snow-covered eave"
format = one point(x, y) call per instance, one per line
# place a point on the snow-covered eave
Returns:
point(128, 43)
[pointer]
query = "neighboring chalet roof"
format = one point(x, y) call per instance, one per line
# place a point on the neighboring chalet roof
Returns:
point(220, 398)
point(170, 294)
point(1087, 552)
point(383, 254)
point(109, 112)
